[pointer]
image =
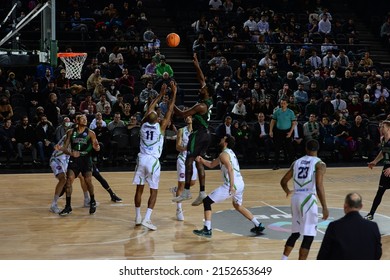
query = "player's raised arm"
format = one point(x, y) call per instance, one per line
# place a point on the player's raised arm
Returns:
point(153, 104)
point(168, 115)
point(200, 108)
point(199, 72)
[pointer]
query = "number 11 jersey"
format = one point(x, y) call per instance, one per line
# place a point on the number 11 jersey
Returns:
point(152, 139)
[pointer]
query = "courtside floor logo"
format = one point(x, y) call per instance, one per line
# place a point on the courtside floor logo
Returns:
point(277, 221)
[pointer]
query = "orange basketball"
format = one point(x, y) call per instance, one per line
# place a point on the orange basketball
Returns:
point(173, 40)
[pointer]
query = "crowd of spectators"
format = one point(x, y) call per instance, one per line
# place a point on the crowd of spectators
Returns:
point(254, 57)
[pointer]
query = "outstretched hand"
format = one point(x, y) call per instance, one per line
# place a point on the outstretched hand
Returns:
point(173, 86)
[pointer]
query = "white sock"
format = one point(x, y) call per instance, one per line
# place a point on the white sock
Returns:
point(137, 211)
point(284, 257)
point(86, 195)
point(178, 205)
point(55, 200)
point(207, 224)
point(148, 214)
point(255, 222)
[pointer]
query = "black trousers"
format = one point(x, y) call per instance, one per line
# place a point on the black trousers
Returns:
point(282, 142)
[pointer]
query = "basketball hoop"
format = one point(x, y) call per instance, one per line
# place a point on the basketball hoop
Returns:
point(73, 64)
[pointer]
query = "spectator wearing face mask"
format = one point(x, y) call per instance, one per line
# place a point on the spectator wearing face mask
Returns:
point(379, 91)
point(61, 129)
point(318, 80)
point(67, 105)
point(72, 113)
point(332, 80)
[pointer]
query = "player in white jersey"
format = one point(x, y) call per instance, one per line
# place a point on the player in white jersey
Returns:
point(233, 186)
point(148, 163)
point(307, 173)
point(182, 139)
point(59, 165)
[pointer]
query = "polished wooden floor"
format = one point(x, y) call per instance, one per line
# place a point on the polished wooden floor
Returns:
point(29, 231)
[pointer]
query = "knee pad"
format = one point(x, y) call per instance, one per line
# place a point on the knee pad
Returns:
point(306, 243)
point(207, 203)
point(292, 239)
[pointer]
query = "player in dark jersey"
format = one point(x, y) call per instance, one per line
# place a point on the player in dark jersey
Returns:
point(81, 140)
point(384, 181)
point(199, 139)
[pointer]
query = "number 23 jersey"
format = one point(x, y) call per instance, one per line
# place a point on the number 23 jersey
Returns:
point(304, 174)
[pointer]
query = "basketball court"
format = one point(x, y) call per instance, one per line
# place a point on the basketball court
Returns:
point(30, 232)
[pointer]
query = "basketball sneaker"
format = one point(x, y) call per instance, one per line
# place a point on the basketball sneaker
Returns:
point(258, 230)
point(369, 217)
point(185, 195)
point(138, 220)
point(203, 232)
point(199, 200)
point(148, 224)
point(179, 214)
point(92, 207)
point(54, 208)
point(115, 198)
point(66, 211)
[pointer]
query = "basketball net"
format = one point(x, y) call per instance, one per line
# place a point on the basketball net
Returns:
point(73, 64)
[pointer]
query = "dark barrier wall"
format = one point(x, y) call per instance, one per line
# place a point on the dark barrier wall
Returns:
point(18, 60)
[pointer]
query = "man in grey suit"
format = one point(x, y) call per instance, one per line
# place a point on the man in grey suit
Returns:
point(351, 237)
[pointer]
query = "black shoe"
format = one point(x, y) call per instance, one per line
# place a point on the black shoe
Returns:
point(92, 207)
point(66, 211)
point(276, 167)
point(203, 232)
point(369, 217)
point(258, 230)
point(114, 198)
